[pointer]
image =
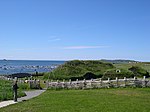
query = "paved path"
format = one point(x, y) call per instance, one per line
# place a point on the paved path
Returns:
point(30, 94)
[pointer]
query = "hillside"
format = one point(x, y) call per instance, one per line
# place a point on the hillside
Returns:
point(77, 69)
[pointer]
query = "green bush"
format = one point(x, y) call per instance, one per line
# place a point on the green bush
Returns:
point(139, 72)
point(23, 86)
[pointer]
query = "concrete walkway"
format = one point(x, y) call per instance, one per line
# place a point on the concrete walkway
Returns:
point(30, 94)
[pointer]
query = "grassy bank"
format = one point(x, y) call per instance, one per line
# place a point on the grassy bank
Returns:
point(102, 100)
point(87, 69)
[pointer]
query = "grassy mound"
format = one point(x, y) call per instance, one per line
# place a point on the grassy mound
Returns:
point(77, 69)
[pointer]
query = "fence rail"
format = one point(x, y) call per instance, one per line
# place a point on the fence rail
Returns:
point(99, 83)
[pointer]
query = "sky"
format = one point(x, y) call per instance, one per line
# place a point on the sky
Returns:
point(74, 29)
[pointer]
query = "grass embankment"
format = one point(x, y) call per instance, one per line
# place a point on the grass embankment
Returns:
point(6, 92)
point(76, 69)
point(87, 69)
point(102, 100)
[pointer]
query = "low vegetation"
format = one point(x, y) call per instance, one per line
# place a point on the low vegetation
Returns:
point(138, 71)
point(120, 73)
point(6, 92)
point(100, 100)
point(126, 66)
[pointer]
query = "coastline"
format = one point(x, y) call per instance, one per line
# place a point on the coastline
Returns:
point(8, 67)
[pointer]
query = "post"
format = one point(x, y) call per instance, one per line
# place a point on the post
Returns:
point(15, 87)
point(69, 84)
point(125, 80)
point(30, 83)
point(77, 84)
point(144, 81)
point(77, 81)
point(84, 84)
point(101, 82)
point(51, 84)
point(38, 84)
point(134, 82)
point(63, 84)
point(134, 78)
point(108, 82)
point(144, 77)
point(47, 84)
point(57, 85)
point(117, 82)
point(91, 83)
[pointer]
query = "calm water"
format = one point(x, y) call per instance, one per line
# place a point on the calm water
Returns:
point(21, 66)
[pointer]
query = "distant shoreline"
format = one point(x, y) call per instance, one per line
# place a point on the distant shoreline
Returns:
point(27, 66)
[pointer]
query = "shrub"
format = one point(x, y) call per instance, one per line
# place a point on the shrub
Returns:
point(89, 75)
point(6, 92)
point(139, 72)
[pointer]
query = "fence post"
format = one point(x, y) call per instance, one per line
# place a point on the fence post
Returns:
point(57, 84)
point(70, 83)
point(144, 81)
point(108, 82)
point(77, 81)
point(51, 83)
point(91, 83)
point(47, 84)
point(38, 84)
point(63, 84)
point(77, 84)
point(125, 81)
point(84, 84)
point(101, 82)
point(134, 81)
point(117, 82)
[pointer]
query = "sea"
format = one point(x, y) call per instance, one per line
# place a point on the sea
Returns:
point(8, 67)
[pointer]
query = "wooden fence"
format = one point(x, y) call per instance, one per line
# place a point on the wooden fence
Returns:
point(99, 83)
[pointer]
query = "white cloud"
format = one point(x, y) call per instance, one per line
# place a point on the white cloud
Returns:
point(85, 47)
point(54, 38)
point(25, 49)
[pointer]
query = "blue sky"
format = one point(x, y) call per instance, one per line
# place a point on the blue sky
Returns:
point(74, 29)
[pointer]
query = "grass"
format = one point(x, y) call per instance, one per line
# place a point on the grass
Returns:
point(76, 69)
point(6, 92)
point(145, 66)
point(101, 100)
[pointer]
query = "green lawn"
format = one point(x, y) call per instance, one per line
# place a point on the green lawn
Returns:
point(101, 100)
